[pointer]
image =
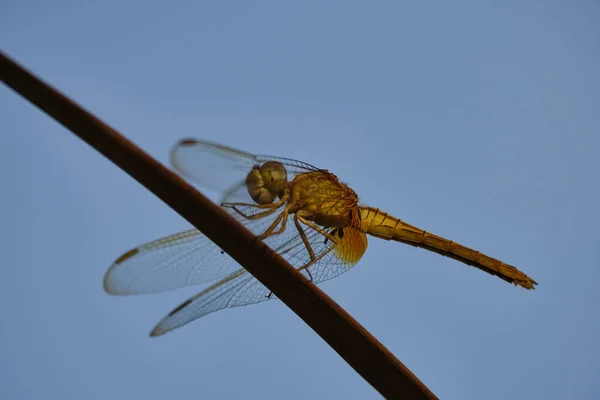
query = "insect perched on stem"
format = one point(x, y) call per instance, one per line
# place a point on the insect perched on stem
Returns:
point(302, 212)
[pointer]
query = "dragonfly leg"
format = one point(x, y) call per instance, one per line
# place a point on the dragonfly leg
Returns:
point(297, 219)
point(262, 214)
point(271, 230)
point(311, 252)
point(271, 208)
point(317, 228)
point(312, 262)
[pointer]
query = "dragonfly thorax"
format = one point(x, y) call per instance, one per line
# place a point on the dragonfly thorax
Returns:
point(266, 182)
point(322, 198)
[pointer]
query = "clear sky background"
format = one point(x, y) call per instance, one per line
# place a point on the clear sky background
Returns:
point(478, 121)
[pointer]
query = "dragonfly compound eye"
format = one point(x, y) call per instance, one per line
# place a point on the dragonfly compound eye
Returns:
point(274, 176)
point(264, 183)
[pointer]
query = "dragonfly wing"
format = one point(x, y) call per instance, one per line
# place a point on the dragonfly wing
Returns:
point(214, 298)
point(180, 260)
point(210, 165)
point(176, 261)
point(348, 251)
point(218, 167)
point(241, 288)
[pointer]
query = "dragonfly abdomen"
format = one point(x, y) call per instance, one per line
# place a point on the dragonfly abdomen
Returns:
point(378, 223)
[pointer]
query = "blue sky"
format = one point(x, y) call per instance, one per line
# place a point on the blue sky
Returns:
point(477, 121)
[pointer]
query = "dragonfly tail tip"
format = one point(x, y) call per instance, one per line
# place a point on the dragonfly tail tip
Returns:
point(157, 331)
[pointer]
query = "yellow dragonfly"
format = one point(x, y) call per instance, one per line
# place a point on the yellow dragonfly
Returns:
point(302, 212)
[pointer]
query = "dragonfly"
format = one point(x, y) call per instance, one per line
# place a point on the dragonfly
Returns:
point(304, 213)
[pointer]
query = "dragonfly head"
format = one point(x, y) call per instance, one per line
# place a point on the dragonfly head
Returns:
point(266, 182)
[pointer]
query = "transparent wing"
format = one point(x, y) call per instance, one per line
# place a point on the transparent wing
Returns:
point(240, 288)
point(183, 259)
point(219, 168)
point(190, 258)
point(180, 260)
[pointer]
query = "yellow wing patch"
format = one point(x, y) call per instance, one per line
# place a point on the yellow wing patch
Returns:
point(351, 245)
